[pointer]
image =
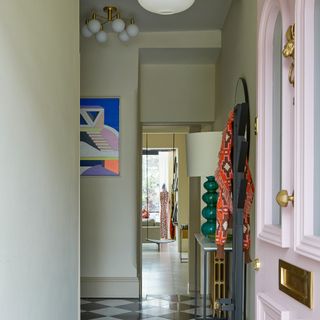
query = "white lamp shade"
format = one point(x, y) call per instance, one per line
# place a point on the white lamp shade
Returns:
point(123, 36)
point(203, 153)
point(118, 25)
point(86, 32)
point(94, 25)
point(166, 7)
point(101, 36)
point(132, 30)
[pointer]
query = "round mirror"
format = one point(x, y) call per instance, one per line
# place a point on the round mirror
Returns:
point(241, 94)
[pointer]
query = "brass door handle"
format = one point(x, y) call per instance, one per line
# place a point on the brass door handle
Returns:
point(283, 198)
point(256, 264)
point(217, 305)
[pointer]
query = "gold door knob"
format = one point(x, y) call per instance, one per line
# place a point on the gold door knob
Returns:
point(256, 264)
point(283, 198)
point(217, 305)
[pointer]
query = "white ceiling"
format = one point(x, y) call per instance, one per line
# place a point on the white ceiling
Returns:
point(203, 15)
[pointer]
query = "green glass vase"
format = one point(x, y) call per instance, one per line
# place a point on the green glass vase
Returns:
point(209, 212)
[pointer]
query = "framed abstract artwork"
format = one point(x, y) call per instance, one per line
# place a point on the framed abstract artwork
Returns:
point(99, 136)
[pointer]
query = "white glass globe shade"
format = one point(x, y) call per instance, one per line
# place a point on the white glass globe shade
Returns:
point(166, 7)
point(132, 30)
point(94, 25)
point(101, 36)
point(118, 25)
point(123, 36)
point(86, 32)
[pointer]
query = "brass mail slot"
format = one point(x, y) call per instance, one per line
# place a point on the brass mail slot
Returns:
point(296, 282)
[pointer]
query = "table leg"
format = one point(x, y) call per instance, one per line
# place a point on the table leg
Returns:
point(195, 278)
point(205, 285)
point(180, 245)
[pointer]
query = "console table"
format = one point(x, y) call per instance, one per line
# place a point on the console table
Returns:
point(206, 245)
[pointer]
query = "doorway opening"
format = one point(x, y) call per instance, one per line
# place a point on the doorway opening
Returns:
point(164, 214)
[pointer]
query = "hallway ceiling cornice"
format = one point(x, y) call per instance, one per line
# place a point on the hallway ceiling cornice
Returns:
point(203, 15)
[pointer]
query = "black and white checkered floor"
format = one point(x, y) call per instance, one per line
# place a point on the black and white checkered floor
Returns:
point(152, 308)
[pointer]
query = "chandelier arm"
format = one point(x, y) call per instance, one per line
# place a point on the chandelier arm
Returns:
point(104, 19)
point(113, 17)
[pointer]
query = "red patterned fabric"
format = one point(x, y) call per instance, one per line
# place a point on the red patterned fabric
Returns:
point(172, 227)
point(164, 213)
point(224, 177)
point(246, 212)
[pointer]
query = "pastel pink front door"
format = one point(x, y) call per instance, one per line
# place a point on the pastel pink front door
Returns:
point(288, 159)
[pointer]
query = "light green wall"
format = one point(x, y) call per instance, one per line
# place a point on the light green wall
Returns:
point(39, 139)
point(177, 93)
point(238, 59)
point(109, 204)
point(110, 254)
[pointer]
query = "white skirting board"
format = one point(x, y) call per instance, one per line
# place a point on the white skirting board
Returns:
point(107, 287)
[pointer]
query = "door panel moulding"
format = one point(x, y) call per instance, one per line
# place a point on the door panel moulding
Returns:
point(305, 242)
point(267, 308)
point(266, 231)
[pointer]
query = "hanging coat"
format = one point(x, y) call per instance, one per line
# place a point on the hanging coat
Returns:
point(224, 178)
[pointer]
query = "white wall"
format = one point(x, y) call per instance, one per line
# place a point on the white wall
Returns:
point(177, 93)
point(39, 141)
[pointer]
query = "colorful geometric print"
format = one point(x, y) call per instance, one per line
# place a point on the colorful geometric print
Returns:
point(99, 136)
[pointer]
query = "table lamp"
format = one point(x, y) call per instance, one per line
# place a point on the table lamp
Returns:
point(202, 161)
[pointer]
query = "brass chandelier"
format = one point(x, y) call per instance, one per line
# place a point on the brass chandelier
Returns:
point(95, 24)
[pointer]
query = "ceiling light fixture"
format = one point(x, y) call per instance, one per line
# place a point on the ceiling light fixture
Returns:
point(95, 26)
point(166, 7)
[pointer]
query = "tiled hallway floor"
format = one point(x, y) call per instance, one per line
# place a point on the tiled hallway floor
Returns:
point(153, 308)
point(165, 291)
point(162, 272)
